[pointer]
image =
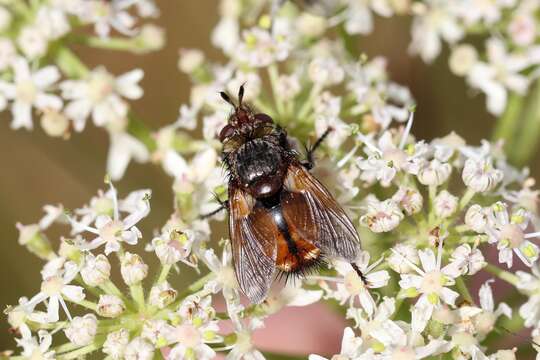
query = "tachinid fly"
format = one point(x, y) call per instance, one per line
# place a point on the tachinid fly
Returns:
point(281, 218)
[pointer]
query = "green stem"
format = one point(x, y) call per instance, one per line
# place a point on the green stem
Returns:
point(463, 290)
point(467, 197)
point(526, 144)
point(163, 273)
point(83, 351)
point(308, 104)
point(110, 43)
point(508, 122)
point(274, 78)
point(137, 293)
point(501, 274)
point(87, 304)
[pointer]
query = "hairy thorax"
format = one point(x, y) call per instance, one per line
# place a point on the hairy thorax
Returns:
point(260, 167)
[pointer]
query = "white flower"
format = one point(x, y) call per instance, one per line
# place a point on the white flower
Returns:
point(467, 260)
point(434, 20)
point(54, 288)
point(445, 204)
point(508, 231)
point(33, 42)
point(522, 29)
point(30, 89)
point(381, 216)
point(139, 349)
point(110, 306)
point(260, 48)
point(409, 199)
point(431, 283)
point(162, 295)
point(106, 15)
point(499, 74)
point(476, 218)
point(359, 19)
point(173, 246)
point(82, 330)
point(351, 348)
point(52, 22)
point(100, 94)
point(8, 53)
point(243, 348)
point(403, 344)
point(116, 343)
point(434, 173)
point(325, 71)
point(157, 331)
point(291, 295)
point(462, 59)
point(190, 60)
point(35, 348)
point(191, 339)
point(484, 322)
point(288, 86)
point(480, 175)
point(133, 268)
point(400, 258)
point(352, 286)
point(96, 269)
point(225, 279)
point(111, 231)
point(311, 25)
point(122, 149)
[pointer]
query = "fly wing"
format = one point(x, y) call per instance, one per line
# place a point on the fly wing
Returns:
point(312, 211)
point(253, 237)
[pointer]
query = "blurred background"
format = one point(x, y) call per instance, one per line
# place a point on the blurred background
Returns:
point(38, 170)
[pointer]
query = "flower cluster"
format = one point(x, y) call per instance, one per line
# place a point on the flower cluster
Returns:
point(431, 214)
point(507, 61)
point(43, 79)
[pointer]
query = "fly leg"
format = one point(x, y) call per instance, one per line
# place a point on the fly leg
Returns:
point(310, 161)
point(359, 273)
point(223, 205)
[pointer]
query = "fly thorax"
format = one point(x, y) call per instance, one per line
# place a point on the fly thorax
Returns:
point(258, 166)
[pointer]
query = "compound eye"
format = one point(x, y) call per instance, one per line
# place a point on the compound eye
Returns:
point(263, 118)
point(226, 132)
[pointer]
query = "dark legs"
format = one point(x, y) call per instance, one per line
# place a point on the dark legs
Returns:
point(224, 205)
point(310, 162)
point(360, 273)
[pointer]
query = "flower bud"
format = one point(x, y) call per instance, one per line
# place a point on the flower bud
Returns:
point(54, 123)
point(96, 270)
point(139, 349)
point(35, 241)
point(116, 343)
point(382, 216)
point(162, 295)
point(476, 218)
point(480, 175)
point(505, 355)
point(82, 330)
point(462, 59)
point(110, 306)
point(434, 173)
point(133, 268)
point(311, 25)
point(410, 200)
point(445, 204)
point(190, 60)
point(150, 38)
point(69, 250)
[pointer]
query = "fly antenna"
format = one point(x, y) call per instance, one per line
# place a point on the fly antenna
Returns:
point(227, 98)
point(241, 94)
